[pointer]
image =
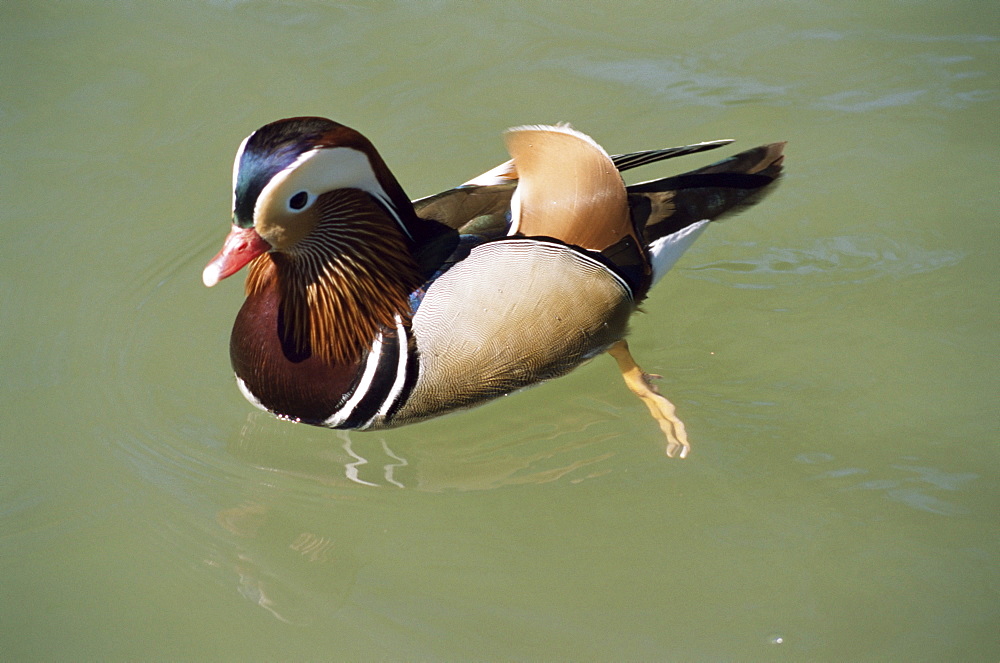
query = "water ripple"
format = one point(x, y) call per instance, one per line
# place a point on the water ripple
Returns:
point(911, 485)
point(928, 78)
point(684, 80)
point(832, 261)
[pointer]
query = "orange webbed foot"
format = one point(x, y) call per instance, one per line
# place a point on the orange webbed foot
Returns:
point(663, 411)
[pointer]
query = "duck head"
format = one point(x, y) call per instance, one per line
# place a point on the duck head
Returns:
point(318, 215)
point(284, 173)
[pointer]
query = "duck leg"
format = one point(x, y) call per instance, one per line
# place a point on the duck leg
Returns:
point(639, 382)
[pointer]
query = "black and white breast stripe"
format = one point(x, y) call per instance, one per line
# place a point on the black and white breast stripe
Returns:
point(388, 377)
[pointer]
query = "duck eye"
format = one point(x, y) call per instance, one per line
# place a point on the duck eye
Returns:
point(298, 201)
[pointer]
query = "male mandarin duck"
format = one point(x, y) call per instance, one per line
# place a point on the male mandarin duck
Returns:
point(365, 310)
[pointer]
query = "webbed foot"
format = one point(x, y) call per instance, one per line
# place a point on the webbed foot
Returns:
point(639, 382)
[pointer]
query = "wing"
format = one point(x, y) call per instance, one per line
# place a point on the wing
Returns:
point(482, 205)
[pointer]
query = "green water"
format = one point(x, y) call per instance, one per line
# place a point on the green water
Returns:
point(833, 352)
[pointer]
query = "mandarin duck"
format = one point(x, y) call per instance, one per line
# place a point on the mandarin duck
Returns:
point(365, 310)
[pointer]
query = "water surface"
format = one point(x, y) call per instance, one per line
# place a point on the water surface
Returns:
point(832, 352)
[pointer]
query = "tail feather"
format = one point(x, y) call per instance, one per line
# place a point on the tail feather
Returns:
point(635, 159)
point(668, 205)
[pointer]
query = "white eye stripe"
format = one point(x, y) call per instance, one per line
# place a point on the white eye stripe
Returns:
point(326, 169)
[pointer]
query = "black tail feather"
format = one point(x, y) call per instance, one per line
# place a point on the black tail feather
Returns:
point(635, 159)
point(664, 206)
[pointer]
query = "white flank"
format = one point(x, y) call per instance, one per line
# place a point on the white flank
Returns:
point(666, 251)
